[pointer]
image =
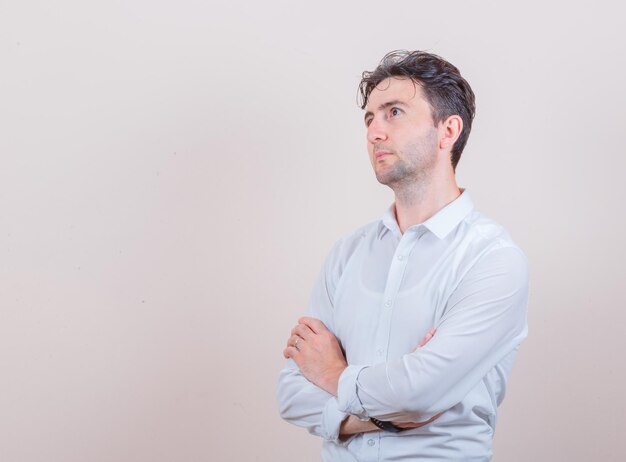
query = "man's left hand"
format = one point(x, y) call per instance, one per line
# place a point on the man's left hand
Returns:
point(317, 353)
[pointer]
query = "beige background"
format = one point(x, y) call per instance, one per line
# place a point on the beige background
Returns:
point(174, 173)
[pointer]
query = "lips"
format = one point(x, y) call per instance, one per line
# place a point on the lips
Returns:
point(382, 154)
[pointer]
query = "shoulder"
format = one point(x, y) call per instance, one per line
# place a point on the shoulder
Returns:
point(489, 244)
point(344, 248)
point(486, 234)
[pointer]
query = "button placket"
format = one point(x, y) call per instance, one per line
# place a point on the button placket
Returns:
point(371, 444)
point(392, 287)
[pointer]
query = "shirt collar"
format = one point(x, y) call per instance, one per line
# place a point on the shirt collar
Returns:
point(440, 224)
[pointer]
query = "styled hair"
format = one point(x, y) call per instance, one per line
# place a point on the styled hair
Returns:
point(447, 92)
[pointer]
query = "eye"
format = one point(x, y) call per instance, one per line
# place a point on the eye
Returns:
point(368, 121)
point(394, 111)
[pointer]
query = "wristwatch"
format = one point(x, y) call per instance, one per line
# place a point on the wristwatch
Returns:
point(387, 426)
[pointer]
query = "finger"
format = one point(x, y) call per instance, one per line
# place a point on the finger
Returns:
point(314, 324)
point(290, 352)
point(303, 331)
point(426, 339)
point(295, 341)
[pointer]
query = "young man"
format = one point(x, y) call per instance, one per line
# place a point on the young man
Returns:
point(433, 273)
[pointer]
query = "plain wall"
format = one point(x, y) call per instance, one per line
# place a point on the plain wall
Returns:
point(174, 173)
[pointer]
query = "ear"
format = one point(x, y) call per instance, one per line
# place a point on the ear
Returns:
point(449, 131)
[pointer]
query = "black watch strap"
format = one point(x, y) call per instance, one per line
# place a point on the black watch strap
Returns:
point(387, 426)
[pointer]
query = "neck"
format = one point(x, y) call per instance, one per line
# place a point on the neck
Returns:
point(417, 202)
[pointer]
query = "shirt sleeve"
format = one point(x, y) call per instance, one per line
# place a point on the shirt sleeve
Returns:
point(301, 402)
point(483, 321)
point(304, 404)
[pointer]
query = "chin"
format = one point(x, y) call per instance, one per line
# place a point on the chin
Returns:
point(385, 173)
point(385, 179)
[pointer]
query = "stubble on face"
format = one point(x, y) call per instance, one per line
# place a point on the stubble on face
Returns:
point(412, 166)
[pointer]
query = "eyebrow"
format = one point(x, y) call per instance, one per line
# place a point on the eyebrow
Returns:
point(395, 102)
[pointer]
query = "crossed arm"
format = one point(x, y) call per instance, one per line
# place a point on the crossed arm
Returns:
point(320, 359)
point(484, 321)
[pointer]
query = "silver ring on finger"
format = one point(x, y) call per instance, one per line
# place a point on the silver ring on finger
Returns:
point(295, 345)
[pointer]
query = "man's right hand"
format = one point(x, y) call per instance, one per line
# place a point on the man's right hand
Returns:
point(426, 339)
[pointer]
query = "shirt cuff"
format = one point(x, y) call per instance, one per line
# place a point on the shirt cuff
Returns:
point(332, 418)
point(347, 395)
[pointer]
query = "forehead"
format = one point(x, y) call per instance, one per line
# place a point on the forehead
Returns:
point(396, 89)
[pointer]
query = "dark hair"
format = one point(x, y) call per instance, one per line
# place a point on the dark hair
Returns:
point(445, 90)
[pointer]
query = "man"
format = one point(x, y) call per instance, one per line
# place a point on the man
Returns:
point(433, 273)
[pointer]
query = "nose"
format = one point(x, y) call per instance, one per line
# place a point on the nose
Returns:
point(376, 132)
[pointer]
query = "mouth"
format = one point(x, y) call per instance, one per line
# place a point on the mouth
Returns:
point(380, 155)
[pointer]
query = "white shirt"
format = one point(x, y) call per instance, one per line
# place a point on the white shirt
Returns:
point(380, 292)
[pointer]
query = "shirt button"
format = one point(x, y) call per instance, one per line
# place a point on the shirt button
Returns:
point(371, 442)
point(388, 303)
point(400, 257)
point(380, 351)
